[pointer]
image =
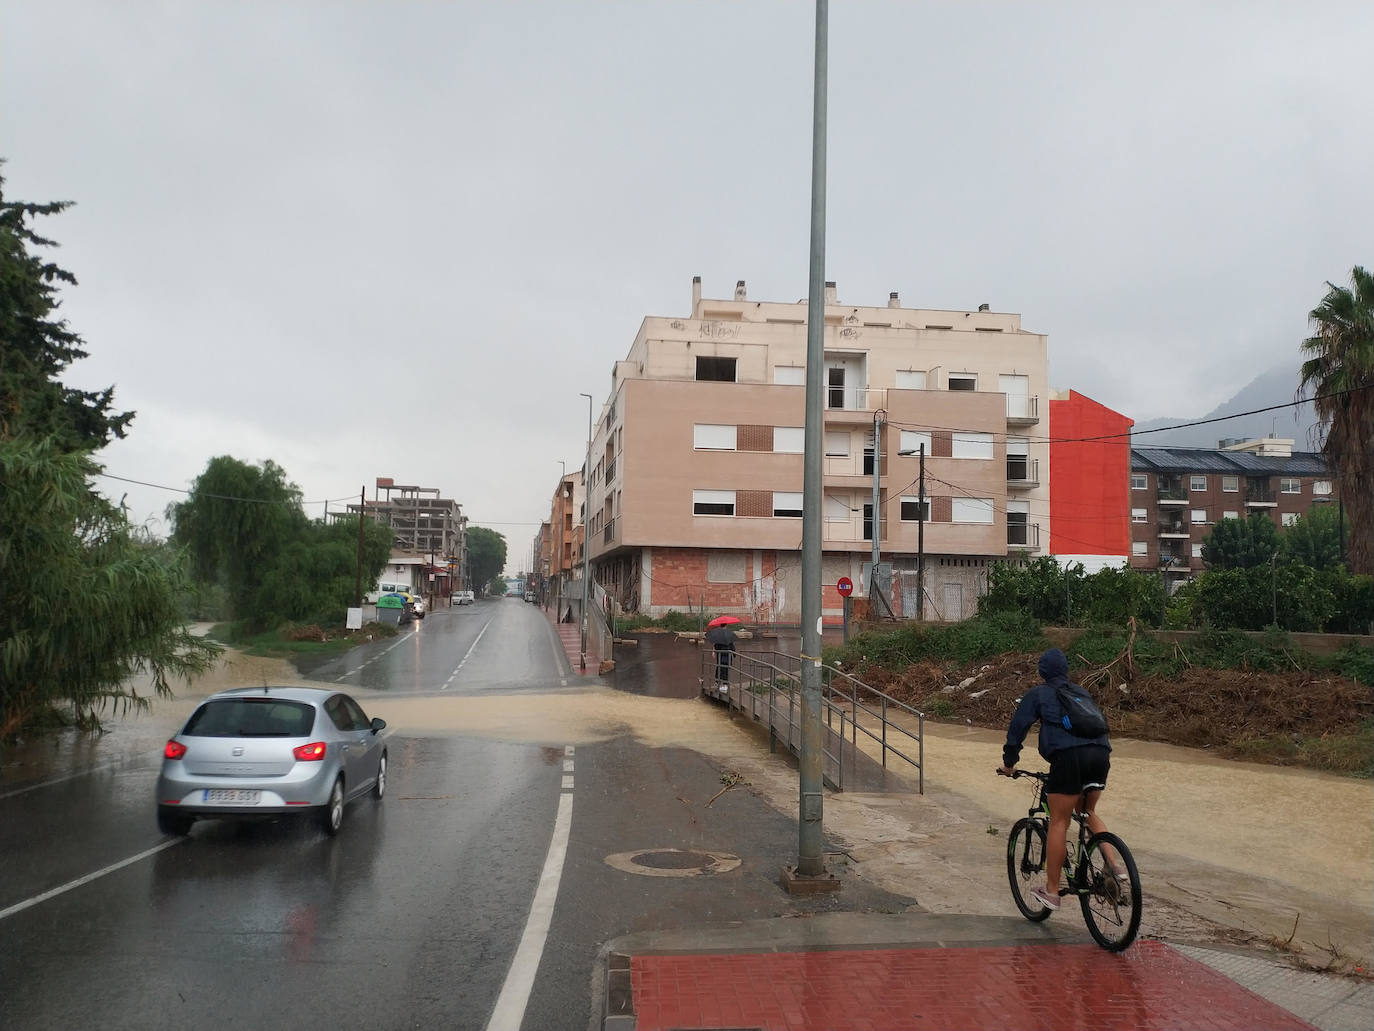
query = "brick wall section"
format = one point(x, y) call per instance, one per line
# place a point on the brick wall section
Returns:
point(754, 438)
point(679, 580)
point(941, 510)
point(754, 503)
point(942, 444)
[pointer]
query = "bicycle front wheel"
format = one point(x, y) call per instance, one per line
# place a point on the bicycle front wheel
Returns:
point(1111, 903)
point(1026, 866)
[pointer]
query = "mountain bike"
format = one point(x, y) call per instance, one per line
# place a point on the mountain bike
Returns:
point(1098, 868)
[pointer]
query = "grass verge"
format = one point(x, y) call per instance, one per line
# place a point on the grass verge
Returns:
point(290, 640)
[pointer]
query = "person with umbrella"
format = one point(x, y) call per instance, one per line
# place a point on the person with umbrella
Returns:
point(719, 634)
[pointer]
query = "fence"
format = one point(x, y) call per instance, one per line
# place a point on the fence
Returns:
point(767, 686)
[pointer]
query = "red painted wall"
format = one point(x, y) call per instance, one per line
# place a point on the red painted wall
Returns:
point(1090, 481)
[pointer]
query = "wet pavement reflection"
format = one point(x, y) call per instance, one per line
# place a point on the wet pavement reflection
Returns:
point(661, 665)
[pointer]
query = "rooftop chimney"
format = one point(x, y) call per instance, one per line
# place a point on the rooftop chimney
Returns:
point(740, 293)
point(830, 297)
point(696, 296)
point(983, 306)
point(893, 301)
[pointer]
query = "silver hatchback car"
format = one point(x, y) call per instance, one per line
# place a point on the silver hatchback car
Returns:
point(269, 751)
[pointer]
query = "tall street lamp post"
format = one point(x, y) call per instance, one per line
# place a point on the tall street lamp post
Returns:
point(586, 536)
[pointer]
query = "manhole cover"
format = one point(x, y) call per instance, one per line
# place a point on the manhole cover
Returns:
point(672, 862)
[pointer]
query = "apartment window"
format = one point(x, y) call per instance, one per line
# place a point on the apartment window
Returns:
point(1230, 515)
point(789, 440)
point(790, 375)
point(1198, 515)
point(1197, 483)
point(1289, 518)
point(972, 445)
point(1197, 549)
point(1230, 484)
point(1321, 488)
point(971, 510)
point(837, 444)
point(1137, 515)
point(915, 510)
point(713, 502)
point(911, 379)
point(1290, 486)
point(1137, 481)
point(787, 504)
point(1140, 548)
point(706, 437)
point(911, 440)
point(963, 381)
point(716, 369)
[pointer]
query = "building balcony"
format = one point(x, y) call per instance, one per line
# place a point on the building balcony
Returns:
point(610, 471)
point(1022, 411)
point(1262, 497)
point(1172, 494)
point(855, 399)
point(608, 533)
point(1022, 474)
point(1023, 536)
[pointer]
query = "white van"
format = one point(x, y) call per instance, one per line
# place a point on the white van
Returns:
point(385, 588)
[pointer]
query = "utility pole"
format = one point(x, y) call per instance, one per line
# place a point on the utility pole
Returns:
point(873, 593)
point(358, 585)
point(586, 535)
point(810, 841)
point(921, 504)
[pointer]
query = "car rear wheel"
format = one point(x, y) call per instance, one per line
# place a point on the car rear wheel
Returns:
point(174, 823)
point(379, 788)
point(331, 816)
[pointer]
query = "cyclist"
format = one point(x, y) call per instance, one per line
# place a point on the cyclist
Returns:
point(1078, 767)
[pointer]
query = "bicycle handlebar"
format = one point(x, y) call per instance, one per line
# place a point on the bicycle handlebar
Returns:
point(1017, 774)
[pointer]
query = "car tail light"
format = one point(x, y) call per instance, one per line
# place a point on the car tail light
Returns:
point(310, 753)
point(174, 749)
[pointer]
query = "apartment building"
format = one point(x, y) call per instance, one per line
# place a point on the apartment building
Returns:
point(1090, 454)
point(423, 524)
point(695, 488)
point(1177, 494)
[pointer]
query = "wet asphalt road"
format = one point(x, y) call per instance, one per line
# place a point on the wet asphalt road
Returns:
point(411, 917)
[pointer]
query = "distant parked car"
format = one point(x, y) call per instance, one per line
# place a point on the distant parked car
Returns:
point(417, 605)
point(255, 752)
point(463, 598)
point(529, 596)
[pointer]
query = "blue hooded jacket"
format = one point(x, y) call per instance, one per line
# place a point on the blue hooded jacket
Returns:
point(1042, 703)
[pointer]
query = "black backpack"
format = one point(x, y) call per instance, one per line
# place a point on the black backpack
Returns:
point(1080, 715)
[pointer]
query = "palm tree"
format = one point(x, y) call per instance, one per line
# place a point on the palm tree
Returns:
point(1340, 372)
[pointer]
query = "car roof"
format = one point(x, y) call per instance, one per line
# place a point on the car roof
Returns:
point(313, 695)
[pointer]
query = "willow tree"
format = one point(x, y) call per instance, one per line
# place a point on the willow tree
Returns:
point(1339, 374)
point(91, 618)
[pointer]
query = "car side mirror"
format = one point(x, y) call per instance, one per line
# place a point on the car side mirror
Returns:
point(378, 724)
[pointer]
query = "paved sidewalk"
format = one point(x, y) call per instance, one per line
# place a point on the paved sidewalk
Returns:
point(887, 973)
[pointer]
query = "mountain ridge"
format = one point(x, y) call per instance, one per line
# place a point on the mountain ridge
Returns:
point(1277, 386)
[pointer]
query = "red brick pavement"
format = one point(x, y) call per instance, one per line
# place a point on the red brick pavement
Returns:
point(995, 988)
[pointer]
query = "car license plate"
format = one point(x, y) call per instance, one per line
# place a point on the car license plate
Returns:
point(231, 796)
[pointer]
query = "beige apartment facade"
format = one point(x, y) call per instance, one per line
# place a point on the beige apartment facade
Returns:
point(695, 487)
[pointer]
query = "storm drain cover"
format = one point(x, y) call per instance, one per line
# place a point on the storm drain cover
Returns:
point(672, 862)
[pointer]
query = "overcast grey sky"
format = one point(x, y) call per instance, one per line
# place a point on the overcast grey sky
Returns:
point(397, 239)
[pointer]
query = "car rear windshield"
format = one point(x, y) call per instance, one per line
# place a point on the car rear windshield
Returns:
point(251, 717)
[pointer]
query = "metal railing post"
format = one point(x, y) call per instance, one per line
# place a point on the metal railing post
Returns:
point(884, 731)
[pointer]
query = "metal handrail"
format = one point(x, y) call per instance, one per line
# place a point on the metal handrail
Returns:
point(790, 667)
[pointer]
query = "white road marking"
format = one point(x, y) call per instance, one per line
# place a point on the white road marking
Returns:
point(470, 650)
point(19, 907)
point(59, 780)
point(568, 749)
point(369, 662)
point(567, 783)
point(515, 992)
point(567, 766)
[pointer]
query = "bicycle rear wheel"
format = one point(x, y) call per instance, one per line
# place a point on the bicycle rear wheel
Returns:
point(1026, 866)
point(1111, 909)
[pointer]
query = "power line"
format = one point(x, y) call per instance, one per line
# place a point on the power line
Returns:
point(223, 497)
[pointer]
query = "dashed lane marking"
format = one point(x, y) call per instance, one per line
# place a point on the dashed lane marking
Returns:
point(19, 907)
point(454, 675)
point(369, 662)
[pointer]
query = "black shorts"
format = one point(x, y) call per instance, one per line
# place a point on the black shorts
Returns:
point(1076, 770)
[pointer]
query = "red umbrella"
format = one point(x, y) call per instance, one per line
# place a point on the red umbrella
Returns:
point(724, 621)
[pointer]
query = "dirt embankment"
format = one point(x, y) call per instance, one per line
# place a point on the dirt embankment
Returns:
point(1303, 717)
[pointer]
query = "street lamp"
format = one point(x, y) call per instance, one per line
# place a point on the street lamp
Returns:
point(586, 536)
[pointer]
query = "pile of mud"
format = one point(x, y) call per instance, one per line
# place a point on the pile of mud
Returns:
point(1303, 717)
